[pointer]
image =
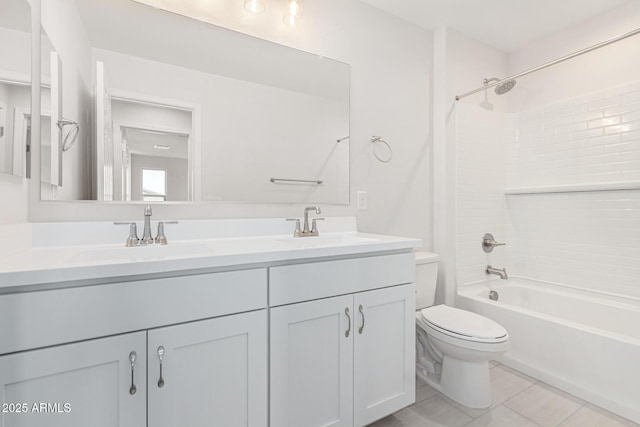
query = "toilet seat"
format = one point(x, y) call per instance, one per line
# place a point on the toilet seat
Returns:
point(463, 325)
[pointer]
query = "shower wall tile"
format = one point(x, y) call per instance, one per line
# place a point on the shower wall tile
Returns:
point(590, 240)
point(575, 141)
point(481, 138)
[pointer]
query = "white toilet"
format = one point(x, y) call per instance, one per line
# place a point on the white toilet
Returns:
point(453, 346)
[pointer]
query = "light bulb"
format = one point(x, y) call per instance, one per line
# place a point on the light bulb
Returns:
point(294, 13)
point(255, 6)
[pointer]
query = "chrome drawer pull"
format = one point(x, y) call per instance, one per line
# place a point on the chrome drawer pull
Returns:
point(160, 356)
point(361, 312)
point(132, 360)
point(346, 311)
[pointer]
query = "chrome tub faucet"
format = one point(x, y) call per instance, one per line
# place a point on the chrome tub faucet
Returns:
point(502, 272)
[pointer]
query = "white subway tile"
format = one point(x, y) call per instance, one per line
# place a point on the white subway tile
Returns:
point(608, 121)
point(604, 103)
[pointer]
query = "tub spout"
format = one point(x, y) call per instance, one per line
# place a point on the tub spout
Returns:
point(502, 272)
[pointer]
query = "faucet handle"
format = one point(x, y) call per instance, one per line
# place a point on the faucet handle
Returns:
point(147, 210)
point(297, 232)
point(132, 240)
point(488, 243)
point(161, 239)
point(314, 226)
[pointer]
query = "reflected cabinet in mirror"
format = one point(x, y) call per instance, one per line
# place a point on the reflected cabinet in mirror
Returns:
point(147, 105)
point(15, 87)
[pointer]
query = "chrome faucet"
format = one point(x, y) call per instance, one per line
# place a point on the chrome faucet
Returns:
point(502, 272)
point(306, 232)
point(146, 233)
point(305, 229)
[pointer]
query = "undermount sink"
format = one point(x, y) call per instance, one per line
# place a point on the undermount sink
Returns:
point(140, 252)
point(321, 241)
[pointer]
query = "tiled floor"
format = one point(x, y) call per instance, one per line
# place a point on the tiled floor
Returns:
point(518, 401)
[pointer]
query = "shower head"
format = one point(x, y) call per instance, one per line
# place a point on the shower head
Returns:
point(505, 87)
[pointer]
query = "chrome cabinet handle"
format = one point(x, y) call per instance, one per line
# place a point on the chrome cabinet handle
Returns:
point(161, 356)
point(362, 313)
point(132, 360)
point(346, 311)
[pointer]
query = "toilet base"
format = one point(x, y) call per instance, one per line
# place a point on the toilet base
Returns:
point(467, 383)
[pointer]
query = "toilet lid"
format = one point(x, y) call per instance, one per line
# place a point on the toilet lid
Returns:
point(464, 323)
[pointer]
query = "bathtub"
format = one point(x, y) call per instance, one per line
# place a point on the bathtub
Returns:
point(585, 343)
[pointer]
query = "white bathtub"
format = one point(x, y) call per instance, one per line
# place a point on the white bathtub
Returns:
point(585, 343)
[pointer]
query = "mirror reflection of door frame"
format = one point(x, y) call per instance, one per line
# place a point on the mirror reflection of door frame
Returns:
point(3, 137)
point(18, 158)
point(119, 126)
point(21, 136)
point(195, 149)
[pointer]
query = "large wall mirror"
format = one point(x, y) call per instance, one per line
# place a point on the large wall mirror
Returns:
point(147, 105)
point(15, 87)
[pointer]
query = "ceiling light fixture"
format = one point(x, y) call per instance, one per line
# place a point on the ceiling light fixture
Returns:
point(161, 147)
point(293, 14)
point(255, 6)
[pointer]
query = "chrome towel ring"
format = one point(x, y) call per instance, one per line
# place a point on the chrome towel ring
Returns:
point(379, 139)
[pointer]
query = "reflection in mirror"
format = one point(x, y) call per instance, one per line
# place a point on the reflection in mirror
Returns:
point(65, 98)
point(235, 110)
point(150, 138)
point(15, 87)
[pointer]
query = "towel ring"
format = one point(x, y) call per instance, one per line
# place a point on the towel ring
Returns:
point(71, 136)
point(379, 139)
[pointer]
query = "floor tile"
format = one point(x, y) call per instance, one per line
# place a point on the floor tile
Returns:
point(424, 391)
point(506, 383)
point(593, 416)
point(439, 412)
point(433, 412)
point(501, 416)
point(544, 404)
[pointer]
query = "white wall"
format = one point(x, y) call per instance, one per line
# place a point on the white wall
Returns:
point(390, 83)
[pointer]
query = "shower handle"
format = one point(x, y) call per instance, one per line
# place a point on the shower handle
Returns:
point(488, 243)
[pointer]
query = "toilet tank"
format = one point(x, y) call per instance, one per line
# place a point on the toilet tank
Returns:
point(426, 278)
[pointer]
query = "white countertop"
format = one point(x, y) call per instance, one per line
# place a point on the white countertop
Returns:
point(53, 259)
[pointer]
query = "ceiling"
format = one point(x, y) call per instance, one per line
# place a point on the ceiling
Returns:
point(142, 142)
point(504, 24)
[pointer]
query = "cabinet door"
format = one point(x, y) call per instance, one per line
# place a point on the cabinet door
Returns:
point(312, 363)
point(77, 385)
point(384, 352)
point(213, 372)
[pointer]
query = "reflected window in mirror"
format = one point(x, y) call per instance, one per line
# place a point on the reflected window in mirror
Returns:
point(154, 185)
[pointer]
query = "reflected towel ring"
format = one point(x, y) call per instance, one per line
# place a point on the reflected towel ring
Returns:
point(71, 136)
point(375, 139)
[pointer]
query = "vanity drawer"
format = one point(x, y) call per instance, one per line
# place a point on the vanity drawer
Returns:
point(39, 319)
point(303, 282)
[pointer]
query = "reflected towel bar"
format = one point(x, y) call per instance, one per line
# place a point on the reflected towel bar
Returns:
point(307, 181)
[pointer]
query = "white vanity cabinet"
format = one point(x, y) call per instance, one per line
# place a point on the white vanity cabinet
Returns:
point(215, 353)
point(283, 338)
point(88, 383)
point(214, 372)
point(346, 360)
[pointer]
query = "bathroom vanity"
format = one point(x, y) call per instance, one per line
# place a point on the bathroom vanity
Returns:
point(246, 330)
